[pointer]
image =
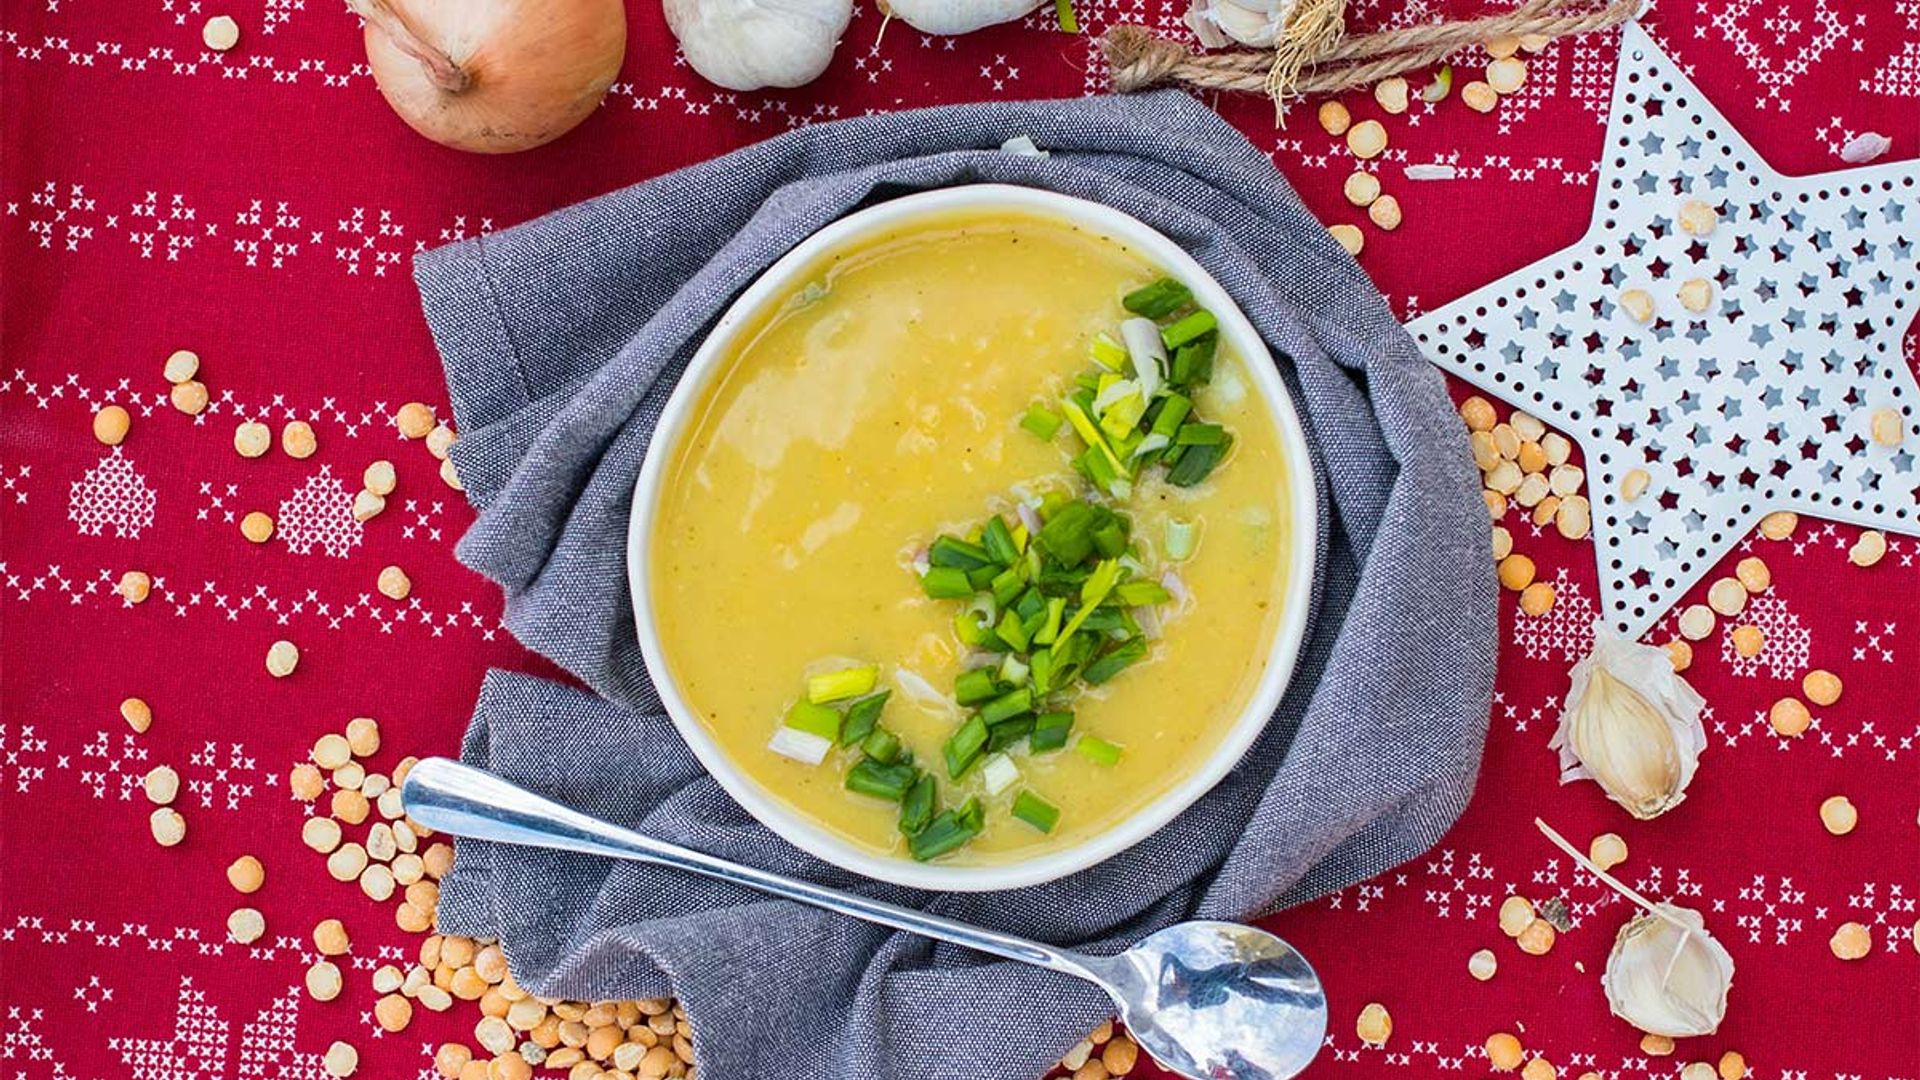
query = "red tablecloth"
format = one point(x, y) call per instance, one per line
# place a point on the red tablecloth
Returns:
point(260, 207)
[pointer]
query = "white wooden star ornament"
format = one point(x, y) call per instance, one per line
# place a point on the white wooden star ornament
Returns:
point(1767, 399)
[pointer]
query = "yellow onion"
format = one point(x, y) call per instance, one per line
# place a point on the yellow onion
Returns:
point(493, 76)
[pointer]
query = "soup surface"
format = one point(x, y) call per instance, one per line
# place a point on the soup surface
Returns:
point(879, 405)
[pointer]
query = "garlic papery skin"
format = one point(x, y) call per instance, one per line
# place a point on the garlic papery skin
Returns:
point(493, 76)
point(1667, 976)
point(1248, 22)
point(956, 16)
point(748, 44)
point(1631, 725)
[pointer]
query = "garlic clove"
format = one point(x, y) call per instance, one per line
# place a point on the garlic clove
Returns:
point(1249, 22)
point(1667, 976)
point(749, 44)
point(957, 16)
point(1632, 725)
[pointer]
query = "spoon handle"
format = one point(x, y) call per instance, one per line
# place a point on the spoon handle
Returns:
point(448, 796)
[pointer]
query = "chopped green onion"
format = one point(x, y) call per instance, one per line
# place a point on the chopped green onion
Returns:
point(998, 542)
point(1098, 751)
point(1041, 663)
point(998, 774)
point(1063, 10)
point(1200, 435)
point(882, 746)
point(975, 686)
point(1035, 811)
point(1116, 661)
point(1093, 591)
point(1192, 363)
point(1013, 669)
point(802, 747)
point(963, 748)
point(1110, 539)
point(1011, 631)
point(1068, 534)
point(971, 630)
point(1042, 422)
point(1183, 538)
point(916, 809)
point(955, 552)
point(1089, 433)
point(946, 832)
point(1006, 733)
point(1006, 706)
point(946, 583)
point(814, 719)
point(862, 716)
point(981, 577)
point(1162, 298)
point(1006, 587)
point(1050, 731)
point(1197, 462)
point(871, 777)
point(1050, 627)
point(837, 685)
point(1141, 593)
point(1108, 353)
point(1191, 327)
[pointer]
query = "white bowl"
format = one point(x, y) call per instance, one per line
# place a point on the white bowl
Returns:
point(1237, 332)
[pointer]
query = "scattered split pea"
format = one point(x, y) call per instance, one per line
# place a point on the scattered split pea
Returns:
point(111, 424)
point(282, 658)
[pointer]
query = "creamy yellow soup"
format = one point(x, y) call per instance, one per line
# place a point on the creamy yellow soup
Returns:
point(878, 405)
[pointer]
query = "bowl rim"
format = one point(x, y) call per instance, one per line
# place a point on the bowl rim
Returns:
point(1289, 633)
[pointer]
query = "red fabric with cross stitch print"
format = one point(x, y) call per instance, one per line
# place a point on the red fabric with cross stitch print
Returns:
point(260, 208)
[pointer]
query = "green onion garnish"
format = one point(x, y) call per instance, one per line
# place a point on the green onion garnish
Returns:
point(1108, 353)
point(871, 777)
point(1035, 811)
point(973, 687)
point(946, 583)
point(963, 748)
point(1098, 751)
point(862, 716)
point(1200, 435)
point(1050, 731)
point(1183, 538)
point(1116, 660)
point(1162, 298)
point(955, 552)
point(1197, 462)
point(1141, 593)
point(946, 832)
point(1063, 10)
point(1042, 422)
point(814, 719)
point(837, 685)
point(1007, 706)
point(1007, 732)
point(998, 542)
point(916, 809)
point(1193, 326)
point(882, 746)
point(1192, 363)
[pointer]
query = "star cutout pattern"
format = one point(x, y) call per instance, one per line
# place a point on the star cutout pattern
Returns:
point(1763, 401)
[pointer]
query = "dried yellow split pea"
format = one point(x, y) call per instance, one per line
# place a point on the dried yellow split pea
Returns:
point(1886, 428)
point(363, 736)
point(1479, 96)
point(1607, 850)
point(1574, 519)
point(1727, 596)
point(162, 784)
point(1348, 237)
point(1516, 572)
point(111, 424)
point(220, 33)
point(1361, 188)
point(1507, 74)
point(449, 476)
point(1696, 622)
point(1789, 717)
point(1367, 139)
point(1680, 653)
point(1385, 212)
point(1502, 543)
point(1869, 549)
point(1375, 1025)
point(340, 1060)
point(297, 439)
point(1516, 914)
point(1483, 964)
point(379, 478)
point(1656, 1045)
point(1779, 525)
point(137, 713)
point(1538, 938)
point(1504, 1052)
point(440, 440)
point(414, 420)
point(1748, 640)
point(1634, 484)
point(1334, 120)
point(1697, 1070)
point(257, 527)
point(321, 834)
point(1851, 941)
point(135, 586)
point(1838, 815)
point(1753, 573)
point(252, 439)
point(1502, 46)
point(1638, 304)
point(246, 925)
point(1733, 1065)
point(181, 365)
point(189, 397)
point(282, 658)
point(1698, 218)
point(1391, 94)
point(1537, 599)
point(1479, 414)
point(1821, 686)
point(246, 875)
point(1539, 1069)
point(393, 583)
point(168, 827)
point(1695, 294)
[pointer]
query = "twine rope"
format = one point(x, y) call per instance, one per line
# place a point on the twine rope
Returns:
point(1312, 63)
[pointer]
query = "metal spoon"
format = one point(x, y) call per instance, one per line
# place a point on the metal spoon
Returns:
point(1209, 1000)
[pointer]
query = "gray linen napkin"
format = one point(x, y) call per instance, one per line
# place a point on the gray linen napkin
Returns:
point(562, 339)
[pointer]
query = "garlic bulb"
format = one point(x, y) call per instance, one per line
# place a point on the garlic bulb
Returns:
point(748, 44)
point(956, 16)
point(493, 76)
point(1631, 725)
point(1667, 975)
point(1248, 22)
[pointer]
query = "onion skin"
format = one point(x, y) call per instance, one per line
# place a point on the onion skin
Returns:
point(494, 76)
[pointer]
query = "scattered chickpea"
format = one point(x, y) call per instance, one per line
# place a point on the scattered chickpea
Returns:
point(1779, 525)
point(189, 397)
point(252, 439)
point(169, 828)
point(1538, 938)
point(257, 527)
point(1516, 572)
point(1482, 964)
point(135, 586)
point(1516, 914)
point(282, 658)
point(1374, 1025)
point(1851, 941)
point(297, 439)
point(1361, 188)
point(246, 875)
point(393, 583)
point(1504, 1052)
point(341, 1060)
point(1839, 815)
point(1334, 120)
point(1869, 549)
point(1789, 717)
point(137, 713)
point(1886, 428)
point(1821, 686)
point(1348, 237)
point(1607, 850)
point(1748, 640)
point(1733, 1065)
point(111, 424)
point(1537, 599)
